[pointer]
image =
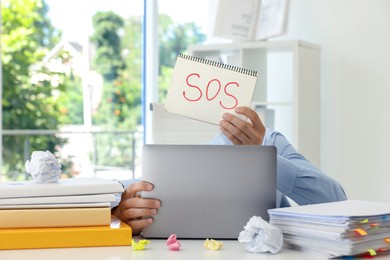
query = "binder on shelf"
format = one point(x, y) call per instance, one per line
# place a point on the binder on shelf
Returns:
point(117, 233)
point(251, 20)
point(204, 89)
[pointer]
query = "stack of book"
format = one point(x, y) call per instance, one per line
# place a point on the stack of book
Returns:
point(345, 228)
point(73, 212)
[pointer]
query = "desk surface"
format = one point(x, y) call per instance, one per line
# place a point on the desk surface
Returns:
point(190, 250)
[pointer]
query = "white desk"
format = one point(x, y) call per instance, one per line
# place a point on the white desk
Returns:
point(190, 250)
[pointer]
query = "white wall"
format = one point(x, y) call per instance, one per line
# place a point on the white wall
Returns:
point(355, 89)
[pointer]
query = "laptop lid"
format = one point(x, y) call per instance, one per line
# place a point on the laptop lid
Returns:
point(208, 191)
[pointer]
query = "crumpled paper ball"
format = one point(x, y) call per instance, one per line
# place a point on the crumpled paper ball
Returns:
point(212, 244)
point(172, 243)
point(259, 236)
point(43, 167)
point(140, 245)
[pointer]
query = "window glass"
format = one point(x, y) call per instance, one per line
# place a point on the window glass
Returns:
point(180, 24)
point(71, 80)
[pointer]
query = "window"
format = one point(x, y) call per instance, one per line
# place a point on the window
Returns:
point(73, 74)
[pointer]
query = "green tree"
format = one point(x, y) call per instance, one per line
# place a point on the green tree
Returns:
point(174, 40)
point(118, 59)
point(70, 102)
point(28, 101)
point(107, 61)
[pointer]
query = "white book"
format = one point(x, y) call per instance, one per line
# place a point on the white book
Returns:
point(93, 198)
point(57, 205)
point(64, 187)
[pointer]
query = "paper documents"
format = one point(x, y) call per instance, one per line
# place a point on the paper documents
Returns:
point(345, 228)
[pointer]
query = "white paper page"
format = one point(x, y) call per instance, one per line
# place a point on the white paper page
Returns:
point(272, 18)
point(340, 209)
point(204, 92)
point(236, 19)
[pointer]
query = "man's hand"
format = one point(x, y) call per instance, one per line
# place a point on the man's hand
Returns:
point(242, 132)
point(136, 211)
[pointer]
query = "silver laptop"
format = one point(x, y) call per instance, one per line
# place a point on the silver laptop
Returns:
point(208, 191)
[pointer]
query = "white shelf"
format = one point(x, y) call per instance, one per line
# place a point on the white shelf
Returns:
point(288, 85)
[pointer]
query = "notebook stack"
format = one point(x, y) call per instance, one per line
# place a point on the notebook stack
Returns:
point(70, 213)
point(345, 228)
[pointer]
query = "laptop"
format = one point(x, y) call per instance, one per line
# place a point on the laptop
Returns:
point(208, 191)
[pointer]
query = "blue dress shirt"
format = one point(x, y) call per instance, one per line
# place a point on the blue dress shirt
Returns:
point(297, 178)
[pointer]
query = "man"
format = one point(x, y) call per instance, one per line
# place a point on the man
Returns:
point(297, 178)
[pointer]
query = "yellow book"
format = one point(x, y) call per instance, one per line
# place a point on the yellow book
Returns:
point(116, 234)
point(55, 217)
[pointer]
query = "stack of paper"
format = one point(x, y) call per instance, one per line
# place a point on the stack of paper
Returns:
point(335, 229)
point(61, 214)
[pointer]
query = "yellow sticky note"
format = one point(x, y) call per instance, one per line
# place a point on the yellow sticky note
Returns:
point(360, 231)
point(371, 251)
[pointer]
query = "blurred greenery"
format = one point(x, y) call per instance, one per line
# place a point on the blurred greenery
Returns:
point(28, 101)
point(37, 98)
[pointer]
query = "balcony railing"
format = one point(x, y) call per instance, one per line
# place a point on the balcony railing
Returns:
point(88, 152)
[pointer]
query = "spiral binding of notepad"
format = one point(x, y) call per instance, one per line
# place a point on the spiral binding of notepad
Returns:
point(220, 65)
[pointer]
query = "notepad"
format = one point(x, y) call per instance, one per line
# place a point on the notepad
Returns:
point(203, 89)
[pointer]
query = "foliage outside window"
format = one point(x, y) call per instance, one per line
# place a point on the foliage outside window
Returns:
point(36, 96)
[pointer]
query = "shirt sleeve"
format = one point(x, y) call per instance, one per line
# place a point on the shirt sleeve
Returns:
point(298, 178)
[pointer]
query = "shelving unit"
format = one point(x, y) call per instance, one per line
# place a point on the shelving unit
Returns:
point(287, 93)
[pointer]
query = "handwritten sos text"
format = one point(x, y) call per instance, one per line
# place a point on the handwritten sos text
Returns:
point(226, 99)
